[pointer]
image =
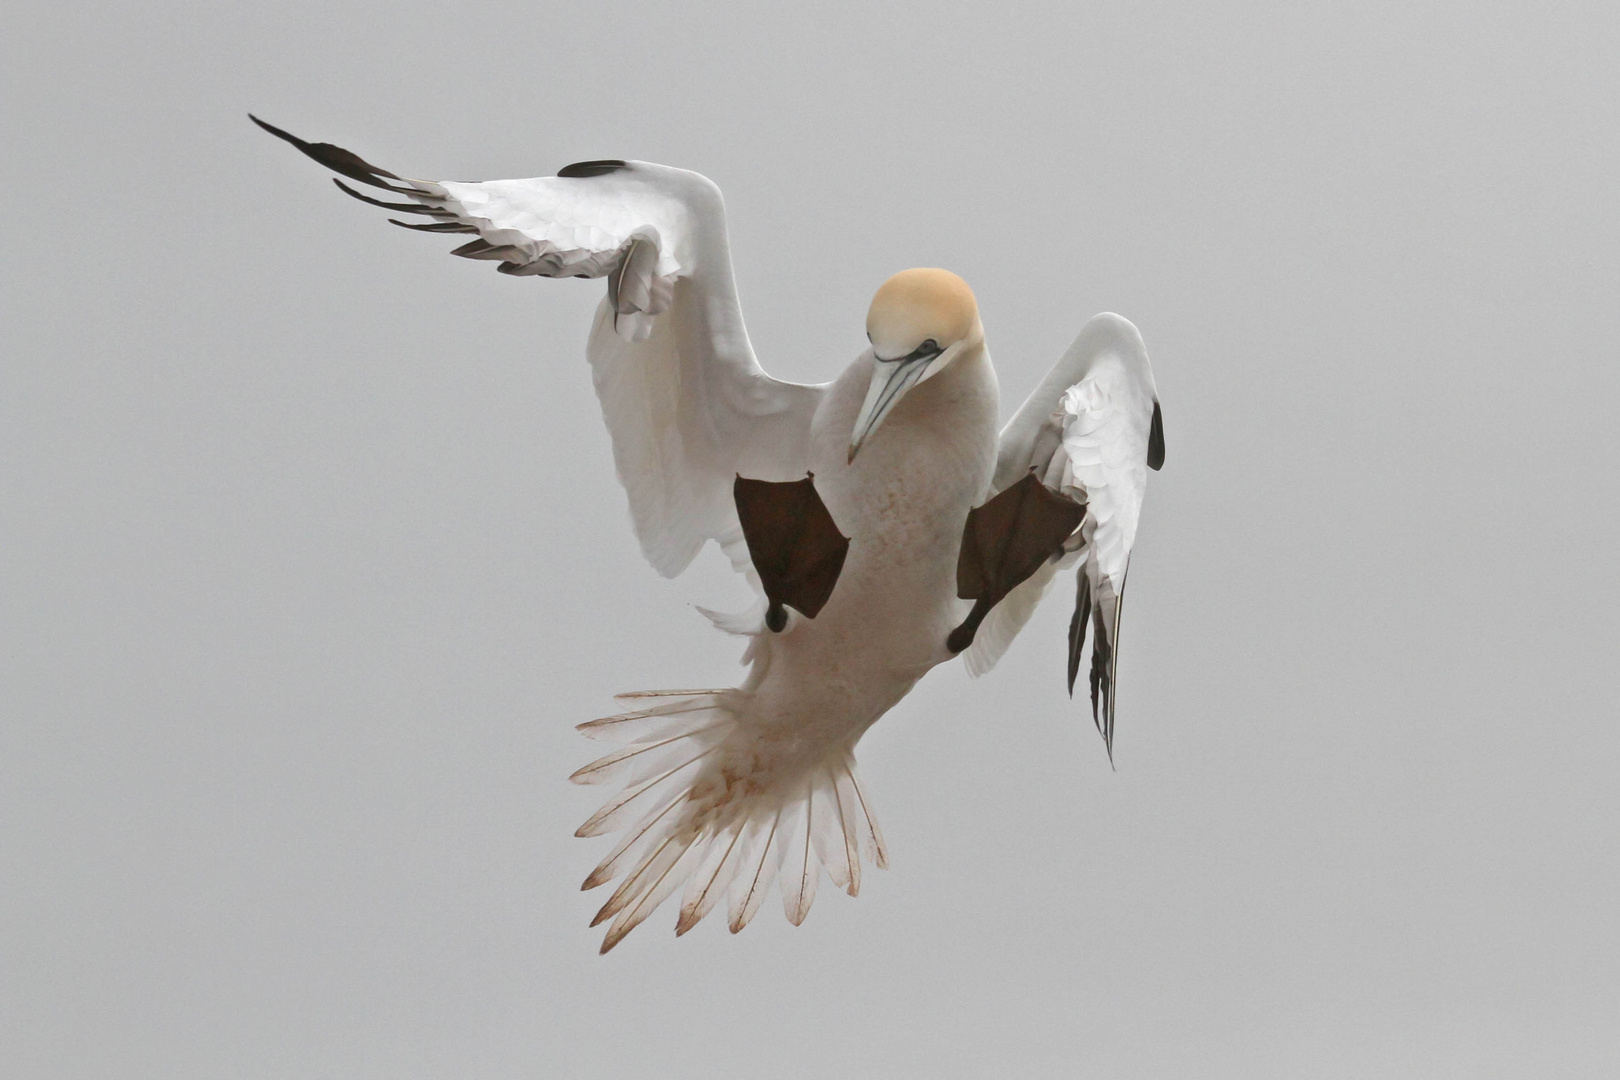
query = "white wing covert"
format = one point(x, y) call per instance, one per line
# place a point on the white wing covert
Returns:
point(685, 401)
point(1090, 431)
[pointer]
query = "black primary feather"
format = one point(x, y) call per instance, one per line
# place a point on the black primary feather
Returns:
point(1155, 460)
point(1077, 625)
point(407, 208)
point(1102, 690)
point(437, 226)
point(581, 169)
point(339, 160)
point(483, 249)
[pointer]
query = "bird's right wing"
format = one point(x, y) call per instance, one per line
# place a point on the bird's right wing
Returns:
point(1090, 431)
point(686, 403)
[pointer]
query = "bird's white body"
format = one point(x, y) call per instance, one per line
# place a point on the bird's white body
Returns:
point(902, 502)
point(818, 686)
point(784, 740)
point(725, 790)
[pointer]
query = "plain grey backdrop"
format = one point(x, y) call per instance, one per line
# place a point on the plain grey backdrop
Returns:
point(311, 551)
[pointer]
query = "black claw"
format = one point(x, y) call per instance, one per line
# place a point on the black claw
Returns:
point(963, 635)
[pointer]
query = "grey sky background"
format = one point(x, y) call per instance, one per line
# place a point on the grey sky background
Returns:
point(311, 551)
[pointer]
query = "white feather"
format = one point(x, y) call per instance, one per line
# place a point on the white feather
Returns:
point(684, 823)
point(758, 870)
point(725, 852)
point(871, 837)
point(734, 789)
point(686, 402)
point(801, 870)
point(1085, 431)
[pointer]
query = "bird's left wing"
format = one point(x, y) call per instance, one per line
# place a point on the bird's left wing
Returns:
point(686, 403)
point(1090, 431)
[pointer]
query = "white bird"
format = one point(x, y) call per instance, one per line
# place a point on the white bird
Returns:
point(865, 569)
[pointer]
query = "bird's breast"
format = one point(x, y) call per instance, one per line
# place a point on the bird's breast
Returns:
point(902, 502)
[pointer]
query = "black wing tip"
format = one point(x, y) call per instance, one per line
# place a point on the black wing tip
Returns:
point(582, 169)
point(1077, 625)
point(1155, 457)
point(285, 136)
point(268, 127)
point(1074, 652)
point(1103, 656)
point(312, 149)
point(341, 161)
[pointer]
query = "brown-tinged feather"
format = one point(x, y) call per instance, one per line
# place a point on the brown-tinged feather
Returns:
point(608, 867)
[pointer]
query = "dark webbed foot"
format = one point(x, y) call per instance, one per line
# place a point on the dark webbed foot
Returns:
point(1004, 542)
point(794, 543)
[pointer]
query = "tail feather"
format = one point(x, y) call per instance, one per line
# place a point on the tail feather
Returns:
point(655, 892)
point(827, 834)
point(872, 836)
point(631, 847)
point(849, 829)
point(707, 885)
point(639, 695)
point(615, 814)
point(655, 721)
point(639, 760)
point(651, 869)
point(801, 870)
point(699, 808)
point(758, 871)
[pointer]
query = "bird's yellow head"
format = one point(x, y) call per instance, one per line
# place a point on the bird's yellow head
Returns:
point(920, 320)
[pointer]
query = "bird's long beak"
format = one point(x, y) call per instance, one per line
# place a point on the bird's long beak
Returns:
point(890, 381)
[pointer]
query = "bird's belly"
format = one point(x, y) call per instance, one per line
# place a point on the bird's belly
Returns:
point(902, 504)
point(882, 630)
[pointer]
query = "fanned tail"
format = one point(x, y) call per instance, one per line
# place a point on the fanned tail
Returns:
point(690, 816)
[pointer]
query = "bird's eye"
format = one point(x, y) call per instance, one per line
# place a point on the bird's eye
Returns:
point(929, 346)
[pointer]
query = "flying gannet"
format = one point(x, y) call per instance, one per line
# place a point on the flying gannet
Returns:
point(868, 512)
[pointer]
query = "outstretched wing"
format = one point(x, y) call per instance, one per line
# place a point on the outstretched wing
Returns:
point(686, 402)
point(1091, 431)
